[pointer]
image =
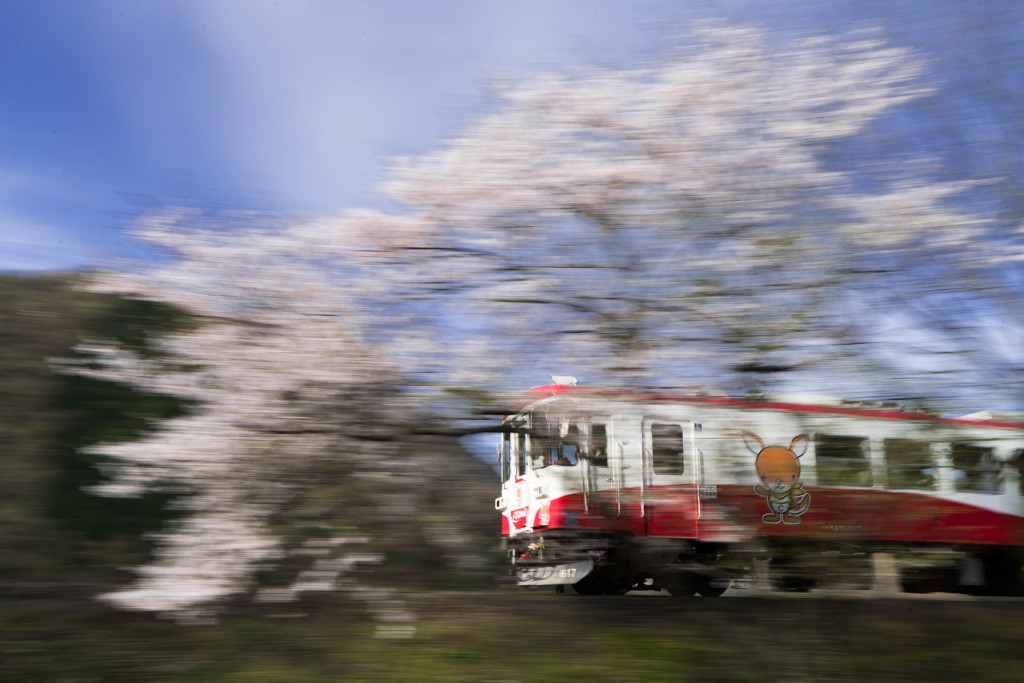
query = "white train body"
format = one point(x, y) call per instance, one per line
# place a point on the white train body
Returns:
point(620, 491)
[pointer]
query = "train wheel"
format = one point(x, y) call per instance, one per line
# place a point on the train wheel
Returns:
point(784, 577)
point(601, 582)
point(679, 584)
point(1003, 571)
point(587, 586)
point(712, 588)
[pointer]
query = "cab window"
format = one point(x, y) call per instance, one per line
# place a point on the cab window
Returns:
point(505, 457)
point(556, 443)
point(598, 445)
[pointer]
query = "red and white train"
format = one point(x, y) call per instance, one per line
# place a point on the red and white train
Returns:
point(618, 491)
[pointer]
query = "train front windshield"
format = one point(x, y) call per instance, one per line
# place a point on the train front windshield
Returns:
point(551, 436)
point(559, 444)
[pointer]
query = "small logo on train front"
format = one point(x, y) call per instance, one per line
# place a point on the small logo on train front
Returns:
point(778, 468)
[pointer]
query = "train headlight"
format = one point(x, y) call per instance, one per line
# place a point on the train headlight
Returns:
point(543, 516)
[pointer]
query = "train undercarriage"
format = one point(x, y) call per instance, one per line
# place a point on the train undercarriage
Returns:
point(606, 563)
point(616, 563)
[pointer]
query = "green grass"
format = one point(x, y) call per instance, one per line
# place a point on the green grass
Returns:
point(511, 636)
point(506, 636)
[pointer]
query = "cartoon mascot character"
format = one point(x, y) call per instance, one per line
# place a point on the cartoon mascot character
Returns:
point(779, 470)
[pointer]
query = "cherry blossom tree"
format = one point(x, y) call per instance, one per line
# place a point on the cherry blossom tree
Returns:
point(681, 220)
point(672, 224)
point(288, 393)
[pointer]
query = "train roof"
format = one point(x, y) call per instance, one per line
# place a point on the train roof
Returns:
point(884, 411)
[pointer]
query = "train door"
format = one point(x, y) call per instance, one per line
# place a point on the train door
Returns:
point(599, 490)
point(671, 505)
point(613, 487)
point(626, 460)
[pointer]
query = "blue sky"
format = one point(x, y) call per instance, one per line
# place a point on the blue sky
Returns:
point(108, 104)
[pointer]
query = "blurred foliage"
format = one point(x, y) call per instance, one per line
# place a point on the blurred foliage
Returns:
point(53, 530)
point(100, 412)
point(49, 526)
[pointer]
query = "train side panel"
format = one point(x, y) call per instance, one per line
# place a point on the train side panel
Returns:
point(626, 488)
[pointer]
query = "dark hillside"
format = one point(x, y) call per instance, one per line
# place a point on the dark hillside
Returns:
point(50, 530)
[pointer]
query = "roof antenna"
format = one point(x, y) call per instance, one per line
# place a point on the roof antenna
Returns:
point(567, 380)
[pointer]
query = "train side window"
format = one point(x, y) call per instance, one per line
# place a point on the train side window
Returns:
point(667, 448)
point(598, 445)
point(842, 460)
point(974, 468)
point(909, 464)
